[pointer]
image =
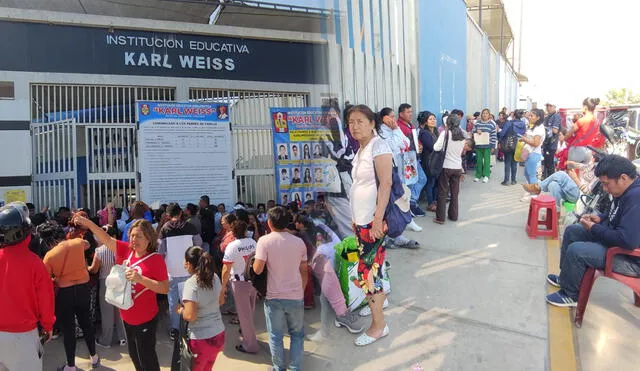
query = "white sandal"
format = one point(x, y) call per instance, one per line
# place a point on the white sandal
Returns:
point(364, 339)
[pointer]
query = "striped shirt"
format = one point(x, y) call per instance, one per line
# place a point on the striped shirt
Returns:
point(107, 260)
point(487, 127)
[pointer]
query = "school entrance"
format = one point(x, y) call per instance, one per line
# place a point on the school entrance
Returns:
point(84, 141)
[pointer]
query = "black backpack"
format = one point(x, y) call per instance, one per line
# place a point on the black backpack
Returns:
point(510, 140)
point(259, 281)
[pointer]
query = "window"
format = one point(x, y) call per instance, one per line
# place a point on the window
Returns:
point(7, 90)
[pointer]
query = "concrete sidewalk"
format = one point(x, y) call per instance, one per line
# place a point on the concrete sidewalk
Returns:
point(472, 298)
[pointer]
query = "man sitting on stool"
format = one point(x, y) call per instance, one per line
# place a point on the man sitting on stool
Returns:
point(585, 245)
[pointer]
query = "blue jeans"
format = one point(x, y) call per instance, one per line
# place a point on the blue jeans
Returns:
point(431, 190)
point(174, 298)
point(561, 187)
point(281, 315)
point(416, 188)
point(510, 167)
point(531, 168)
point(579, 251)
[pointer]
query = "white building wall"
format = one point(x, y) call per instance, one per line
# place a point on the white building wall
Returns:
point(491, 83)
point(385, 74)
point(475, 67)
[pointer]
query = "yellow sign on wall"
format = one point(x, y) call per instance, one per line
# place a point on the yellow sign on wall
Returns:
point(15, 195)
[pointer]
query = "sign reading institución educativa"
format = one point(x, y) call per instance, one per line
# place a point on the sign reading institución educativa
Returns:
point(38, 47)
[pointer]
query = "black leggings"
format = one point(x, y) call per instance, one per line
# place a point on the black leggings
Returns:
point(141, 340)
point(72, 302)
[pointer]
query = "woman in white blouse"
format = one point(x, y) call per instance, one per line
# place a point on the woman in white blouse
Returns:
point(449, 180)
point(372, 170)
point(533, 144)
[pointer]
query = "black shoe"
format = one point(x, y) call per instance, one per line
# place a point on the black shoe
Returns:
point(513, 182)
point(173, 334)
point(505, 183)
point(416, 211)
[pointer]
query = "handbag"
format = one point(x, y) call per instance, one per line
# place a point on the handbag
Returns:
point(410, 170)
point(521, 154)
point(118, 289)
point(397, 214)
point(436, 159)
point(182, 358)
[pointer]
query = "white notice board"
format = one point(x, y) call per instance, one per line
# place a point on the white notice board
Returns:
point(185, 152)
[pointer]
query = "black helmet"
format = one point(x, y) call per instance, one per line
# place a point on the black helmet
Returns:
point(15, 225)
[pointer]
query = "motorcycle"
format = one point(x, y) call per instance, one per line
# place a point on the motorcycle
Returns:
point(618, 138)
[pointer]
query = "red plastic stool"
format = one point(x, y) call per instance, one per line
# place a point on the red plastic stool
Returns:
point(550, 221)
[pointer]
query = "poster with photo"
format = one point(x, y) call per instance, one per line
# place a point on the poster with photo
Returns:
point(302, 165)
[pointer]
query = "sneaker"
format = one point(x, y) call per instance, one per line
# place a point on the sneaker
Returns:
point(173, 334)
point(123, 342)
point(55, 335)
point(410, 244)
point(390, 245)
point(560, 299)
point(553, 279)
point(414, 227)
point(106, 346)
point(416, 211)
point(485, 180)
point(366, 311)
point(350, 321)
point(476, 180)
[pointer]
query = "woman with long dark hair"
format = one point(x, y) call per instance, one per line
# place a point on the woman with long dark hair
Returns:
point(201, 308)
point(148, 279)
point(372, 179)
point(511, 131)
point(533, 145)
point(426, 139)
point(449, 181)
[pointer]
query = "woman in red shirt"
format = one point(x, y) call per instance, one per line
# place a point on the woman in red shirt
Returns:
point(584, 132)
point(149, 278)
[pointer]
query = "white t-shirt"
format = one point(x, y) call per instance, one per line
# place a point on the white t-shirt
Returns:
point(236, 254)
point(364, 190)
point(537, 131)
point(453, 157)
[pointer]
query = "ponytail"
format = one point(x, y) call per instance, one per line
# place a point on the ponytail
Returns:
point(204, 265)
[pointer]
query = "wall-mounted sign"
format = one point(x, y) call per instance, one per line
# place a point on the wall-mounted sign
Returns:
point(39, 47)
point(185, 152)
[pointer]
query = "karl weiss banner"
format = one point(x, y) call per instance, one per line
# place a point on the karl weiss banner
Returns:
point(44, 47)
point(303, 167)
point(185, 152)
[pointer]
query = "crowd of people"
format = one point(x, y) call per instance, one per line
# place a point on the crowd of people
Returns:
point(200, 262)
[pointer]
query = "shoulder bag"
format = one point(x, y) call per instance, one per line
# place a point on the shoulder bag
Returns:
point(118, 289)
point(436, 160)
point(182, 358)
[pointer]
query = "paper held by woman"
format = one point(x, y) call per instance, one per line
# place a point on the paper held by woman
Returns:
point(482, 139)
